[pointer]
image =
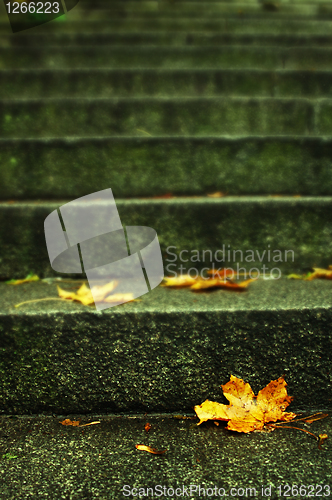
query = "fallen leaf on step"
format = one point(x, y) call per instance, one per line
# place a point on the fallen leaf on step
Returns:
point(217, 194)
point(67, 421)
point(97, 293)
point(27, 279)
point(218, 283)
point(247, 412)
point(179, 281)
point(317, 273)
point(76, 423)
point(83, 295)
point(320, 273)
point(198, 284)
point(154, 451)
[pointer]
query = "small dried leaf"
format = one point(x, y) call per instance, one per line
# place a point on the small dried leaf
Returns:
point(67, 421)
point(154, 451)
point(322, 438)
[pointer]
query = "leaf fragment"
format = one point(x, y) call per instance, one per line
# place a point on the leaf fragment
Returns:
point(322, 438)
point(30, 277)
point(90, 423)
point(154, 451)
point(247, 412)
point(179, 281)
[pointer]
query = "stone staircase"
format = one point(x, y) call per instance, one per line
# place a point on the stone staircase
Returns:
point(212, 123)
point(169, 103)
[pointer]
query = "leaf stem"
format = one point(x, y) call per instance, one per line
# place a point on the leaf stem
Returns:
point(37, 300)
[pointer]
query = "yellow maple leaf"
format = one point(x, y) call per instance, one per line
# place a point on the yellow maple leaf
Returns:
point(247, 412)
point(98, 293)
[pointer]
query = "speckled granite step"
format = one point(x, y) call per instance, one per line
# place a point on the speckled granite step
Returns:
point(297, 231)
point(165, 353)
point(166, 37)
point(170, 116)
point(184, 57)
point(101, 461)
point(238, 24)
point(45, 83)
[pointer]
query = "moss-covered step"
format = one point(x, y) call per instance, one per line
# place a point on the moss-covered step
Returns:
point(198, 9)
point(147, 166)
point(287, 234)
point(202, 116)
point(164, 37)
point(123, 56)
point(167, 352)
point(155, 10)
point(238, 24)
point(43, 83)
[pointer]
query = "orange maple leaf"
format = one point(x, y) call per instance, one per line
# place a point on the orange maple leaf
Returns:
point(196, 284)
point(320, 273)
point(247, 412)
point(317, 273)
point(219, 283)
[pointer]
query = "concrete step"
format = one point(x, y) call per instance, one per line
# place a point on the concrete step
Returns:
point(165, 37)
point(289, 233)
point(168, 352)
point(151, 166)
point(122, 56)
point(240, 25)
point(164, 116)
point(105, 83)
point(99, 460)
